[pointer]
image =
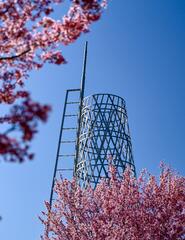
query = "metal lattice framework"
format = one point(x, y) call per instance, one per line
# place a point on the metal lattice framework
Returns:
point(104, 131)
point(93, 129)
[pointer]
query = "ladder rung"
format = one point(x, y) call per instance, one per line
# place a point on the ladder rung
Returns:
point(74, 90)
point(68, 141)
point(71, 115)
point(65, 169)
point(67, 155)
point(72, 102)
point(69, 128)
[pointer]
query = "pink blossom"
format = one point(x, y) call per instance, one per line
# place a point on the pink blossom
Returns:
point(129, 208)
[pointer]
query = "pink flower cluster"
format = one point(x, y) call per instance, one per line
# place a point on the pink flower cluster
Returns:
point(23, 118)
point(132, 209)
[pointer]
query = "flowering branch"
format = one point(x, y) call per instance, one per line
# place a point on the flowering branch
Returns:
point(127, 208)
point(29, 38)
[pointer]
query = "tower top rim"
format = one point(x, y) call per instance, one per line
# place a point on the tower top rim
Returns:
point(104, 94)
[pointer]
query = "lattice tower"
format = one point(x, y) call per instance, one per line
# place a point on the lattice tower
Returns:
point(104, 133)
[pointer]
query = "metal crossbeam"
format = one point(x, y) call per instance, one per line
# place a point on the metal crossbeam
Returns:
point(72, 103)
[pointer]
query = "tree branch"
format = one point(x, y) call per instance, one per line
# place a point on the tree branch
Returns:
point(10, 130)
point(5, 11)
point(15, 56)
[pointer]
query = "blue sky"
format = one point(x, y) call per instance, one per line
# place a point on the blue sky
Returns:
point(136, 51)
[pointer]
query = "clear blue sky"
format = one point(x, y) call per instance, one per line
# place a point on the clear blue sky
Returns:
point(136, 51)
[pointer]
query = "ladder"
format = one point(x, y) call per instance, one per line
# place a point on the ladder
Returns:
point(68, 143)
point(66, 150)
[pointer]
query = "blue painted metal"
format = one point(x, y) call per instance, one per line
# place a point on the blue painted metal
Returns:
point(101, 131)
point(104, 133)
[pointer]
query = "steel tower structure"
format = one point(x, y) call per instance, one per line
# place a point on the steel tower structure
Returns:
point(104, 133)
point(94, 128)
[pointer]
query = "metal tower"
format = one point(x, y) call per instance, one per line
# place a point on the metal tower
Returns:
point(104, 132)
point(92, 129)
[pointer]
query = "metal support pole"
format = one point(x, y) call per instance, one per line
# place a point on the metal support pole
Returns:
point(82, 90)
point(83, 73)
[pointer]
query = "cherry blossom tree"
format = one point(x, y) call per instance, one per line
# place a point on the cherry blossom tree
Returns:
point(132, 209)
point(29, 38)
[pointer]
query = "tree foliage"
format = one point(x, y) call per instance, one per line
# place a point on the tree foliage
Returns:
point(29, 38)
point(132, 209)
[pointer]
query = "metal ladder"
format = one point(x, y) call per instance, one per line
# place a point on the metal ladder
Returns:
point(64, 165)
point(65, 162)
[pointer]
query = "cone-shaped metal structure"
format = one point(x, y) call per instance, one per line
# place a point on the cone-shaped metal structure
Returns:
point(104, 132)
